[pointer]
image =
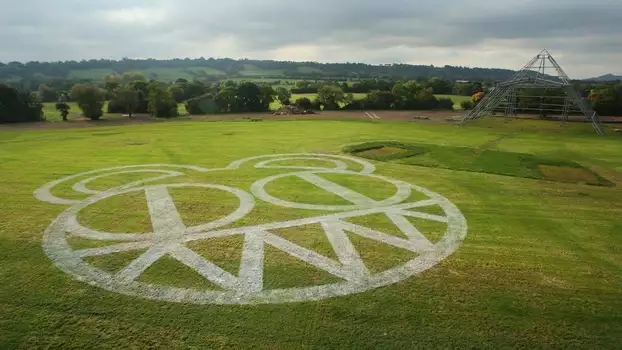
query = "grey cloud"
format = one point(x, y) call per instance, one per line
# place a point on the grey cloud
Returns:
point(352, 30)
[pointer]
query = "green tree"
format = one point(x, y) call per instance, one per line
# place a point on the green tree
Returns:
point(267, 95)
point(63, 108)
point(143, 95)
point(193, 89)
point(178, 93)
point(226, 100)
point(90, 99)
point(19, 106)
point(133, 76)
point(249, 97)
point(161, 101)
point(126, 96)
point(47, 94)
point(302, 84)
point(304, 103)
point(407, 91)
point(330, 96)
point(283, 94)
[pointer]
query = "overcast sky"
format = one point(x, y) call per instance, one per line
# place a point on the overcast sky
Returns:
point(584, 36)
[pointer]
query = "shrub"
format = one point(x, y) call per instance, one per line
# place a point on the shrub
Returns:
point(445, 103)
point(466, 105)
point(19, 106)
point(90, 99)
point(304, 103)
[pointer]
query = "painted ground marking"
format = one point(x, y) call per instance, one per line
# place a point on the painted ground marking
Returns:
point(170, 235)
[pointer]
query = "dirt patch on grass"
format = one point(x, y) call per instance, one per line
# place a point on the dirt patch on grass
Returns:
point(568, 174)
point(381, 152)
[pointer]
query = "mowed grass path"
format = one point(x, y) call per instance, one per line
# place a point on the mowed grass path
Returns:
point(540, 267)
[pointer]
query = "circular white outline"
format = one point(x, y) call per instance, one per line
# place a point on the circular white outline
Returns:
point(339, 165)
point(72, 225)
point(259, 190)
point(81, 186)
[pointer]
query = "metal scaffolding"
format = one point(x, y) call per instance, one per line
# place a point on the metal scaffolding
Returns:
point(531, 83)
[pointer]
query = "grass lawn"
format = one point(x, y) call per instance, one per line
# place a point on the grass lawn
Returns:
point(456, 98)
point(540, 266)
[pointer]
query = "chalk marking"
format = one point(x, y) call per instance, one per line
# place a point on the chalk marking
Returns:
point(170, 236)
point(345, 250)
point(343, 192)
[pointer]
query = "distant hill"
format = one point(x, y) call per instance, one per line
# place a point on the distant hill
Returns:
point(607, 77)
point(223, 68)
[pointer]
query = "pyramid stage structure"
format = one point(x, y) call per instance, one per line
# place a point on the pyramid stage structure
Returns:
point(541, 87)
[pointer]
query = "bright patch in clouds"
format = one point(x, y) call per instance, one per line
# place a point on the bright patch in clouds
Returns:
point(136, 15)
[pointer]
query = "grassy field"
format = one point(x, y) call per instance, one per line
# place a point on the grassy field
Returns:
point(539, 268)
point(456, 98)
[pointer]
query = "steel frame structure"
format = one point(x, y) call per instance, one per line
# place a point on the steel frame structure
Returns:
point(503, 97)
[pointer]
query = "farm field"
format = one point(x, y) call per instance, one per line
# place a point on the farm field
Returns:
point(537, 266)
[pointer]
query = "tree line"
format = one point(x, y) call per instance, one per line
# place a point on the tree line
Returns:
point(131, 93)
point(233, 68)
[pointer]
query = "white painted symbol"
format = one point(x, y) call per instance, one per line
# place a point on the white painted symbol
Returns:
point(170, 235)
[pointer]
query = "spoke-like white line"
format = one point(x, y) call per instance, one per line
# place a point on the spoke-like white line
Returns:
point(343, 192)
point(140, 264)
point(426, 216)
point(415, 236)
point(345, 250)
point(306, 221)
point(311, 257)
point(117, 248)
point(379, 236)
point(251, 266)
point(165, 218)
point(205, 268)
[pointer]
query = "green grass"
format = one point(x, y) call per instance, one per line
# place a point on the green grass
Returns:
point(95, 74)
point(540, 267)
point(250, 70)
point(456, 98)
point(172, 74)
point(480, 160)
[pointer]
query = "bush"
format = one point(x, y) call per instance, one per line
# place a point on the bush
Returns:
point(90, 100)
point(304, 103)
point(308, 90)
point(161, 102)
point(19, 106)
point(445, 103)
point(466, 105)
point(115, 106)
point(204, 104)
point(63, 108)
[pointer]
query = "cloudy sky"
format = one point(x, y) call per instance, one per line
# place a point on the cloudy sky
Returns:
point(584, 36)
